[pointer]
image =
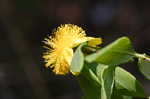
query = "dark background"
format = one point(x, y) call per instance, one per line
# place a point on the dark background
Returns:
point(25, 23)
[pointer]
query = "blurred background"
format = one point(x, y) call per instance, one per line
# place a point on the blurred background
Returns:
point(25, 23)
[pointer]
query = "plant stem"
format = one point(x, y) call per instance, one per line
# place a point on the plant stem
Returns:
point(144, 56)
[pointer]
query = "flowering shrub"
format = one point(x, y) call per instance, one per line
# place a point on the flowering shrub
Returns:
point(97, 69)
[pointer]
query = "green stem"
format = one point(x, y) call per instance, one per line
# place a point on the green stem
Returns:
point(142, 56)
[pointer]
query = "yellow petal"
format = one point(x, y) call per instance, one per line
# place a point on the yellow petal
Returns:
point(93, 42)
point(68, 55)
point(75, 73)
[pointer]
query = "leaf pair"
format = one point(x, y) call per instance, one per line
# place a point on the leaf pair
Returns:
point(106, 76)
point(101, 79)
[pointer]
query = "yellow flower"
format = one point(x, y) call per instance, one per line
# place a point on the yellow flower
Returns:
point(60, 47)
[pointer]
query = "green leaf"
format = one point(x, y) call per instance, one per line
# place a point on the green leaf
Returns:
point(127, 97)
point(126, 84)
point(90, 70)
point(114, 54)
point(77, 61)
point(116, 95)
point(91, 91)
point(89, 84)
point(121, 97)
point(144, 66)
point(106, 75)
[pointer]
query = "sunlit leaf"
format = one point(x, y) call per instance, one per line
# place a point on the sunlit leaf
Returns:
point(127, 84)
point(77, 61)
point(144, 66)
point(116, 53)
point(106, 75)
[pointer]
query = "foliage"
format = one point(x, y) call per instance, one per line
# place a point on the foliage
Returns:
point(100, 75)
